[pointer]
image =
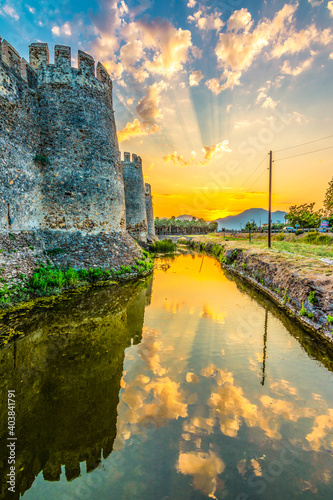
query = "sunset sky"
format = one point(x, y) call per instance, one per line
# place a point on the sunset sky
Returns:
point(204, 89)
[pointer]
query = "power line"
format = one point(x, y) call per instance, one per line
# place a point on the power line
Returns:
point(254, 171)
point(303, 154)
point(257, 179)
point(304, 144)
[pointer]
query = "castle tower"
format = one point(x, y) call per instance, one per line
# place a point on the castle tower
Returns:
point(82, 182)
point(136, 218)
point(149, 211)
point(20, 177)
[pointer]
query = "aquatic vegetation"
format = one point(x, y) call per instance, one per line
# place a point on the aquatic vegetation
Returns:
point(163, 246)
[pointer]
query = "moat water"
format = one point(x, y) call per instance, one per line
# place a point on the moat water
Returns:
point(187, 385)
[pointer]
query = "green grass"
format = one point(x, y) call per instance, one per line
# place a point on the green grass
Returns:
point(50, 280)
point(163, 246)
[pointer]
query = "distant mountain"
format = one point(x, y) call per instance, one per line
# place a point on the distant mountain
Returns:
point(186, 217)
point(259, 215)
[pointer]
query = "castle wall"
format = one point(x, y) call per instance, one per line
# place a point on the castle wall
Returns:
point(20, 176)
point(82, 184)
point(149, 210)
point(136, 218)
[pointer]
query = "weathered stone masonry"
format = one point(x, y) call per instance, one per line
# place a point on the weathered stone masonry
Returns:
point(60, 166)
point(136, 217)
point(149, 211)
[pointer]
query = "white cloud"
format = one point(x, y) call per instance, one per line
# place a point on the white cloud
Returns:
point(165, 48)
point(10, 11)
point(330, 7)
point(269, 103)
point(191, 4)
point(240, 20)
point(242, 43)
point(205, 21)
point(302, 40)
point(231, 81)
point(64, 30)
point(288, 70)
point(237, 50)
point(195, 78)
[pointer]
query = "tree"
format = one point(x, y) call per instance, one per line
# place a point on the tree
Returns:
point(251, 225)
point(304, 216)
point(328, 201)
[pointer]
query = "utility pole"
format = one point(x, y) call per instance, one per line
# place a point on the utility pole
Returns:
point(270, 200)
point(264, 355)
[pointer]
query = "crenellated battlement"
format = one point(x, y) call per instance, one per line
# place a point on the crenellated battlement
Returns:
point(136, 160)
point(39, 71)
point(13, 66)
point(62, 71)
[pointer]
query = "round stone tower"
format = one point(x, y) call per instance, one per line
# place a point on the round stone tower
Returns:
point(82, 187)
point(136, 218)
point(149, 211)
point(20, 177)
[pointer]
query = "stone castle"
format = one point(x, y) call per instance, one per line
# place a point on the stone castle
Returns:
point(61, 169)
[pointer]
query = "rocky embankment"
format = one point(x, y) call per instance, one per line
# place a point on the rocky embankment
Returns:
point(303, 287)
point(22, 253)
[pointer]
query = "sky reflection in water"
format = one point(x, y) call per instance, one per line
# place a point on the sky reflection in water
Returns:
point(218, 400)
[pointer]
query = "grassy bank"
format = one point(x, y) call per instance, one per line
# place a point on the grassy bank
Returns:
point(314, 245)
point(49, 280)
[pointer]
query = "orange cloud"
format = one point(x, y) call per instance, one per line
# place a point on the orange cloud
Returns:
point(136, 129)
point(204, 468)
point(175, 158)
point(147, 107)
point(330, 7)
point(195, 78)
point(148, 111)
point(216, 150)
point(170, 45)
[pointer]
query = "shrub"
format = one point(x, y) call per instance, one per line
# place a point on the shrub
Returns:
point(163, 246)
point(83, 274)
point(329, 319)
point(72, 276)
point(318, 239)
point(312, 297)
point(303, 311)
point(95, 274)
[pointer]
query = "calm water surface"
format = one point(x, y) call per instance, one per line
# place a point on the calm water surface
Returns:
point(188, 387)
